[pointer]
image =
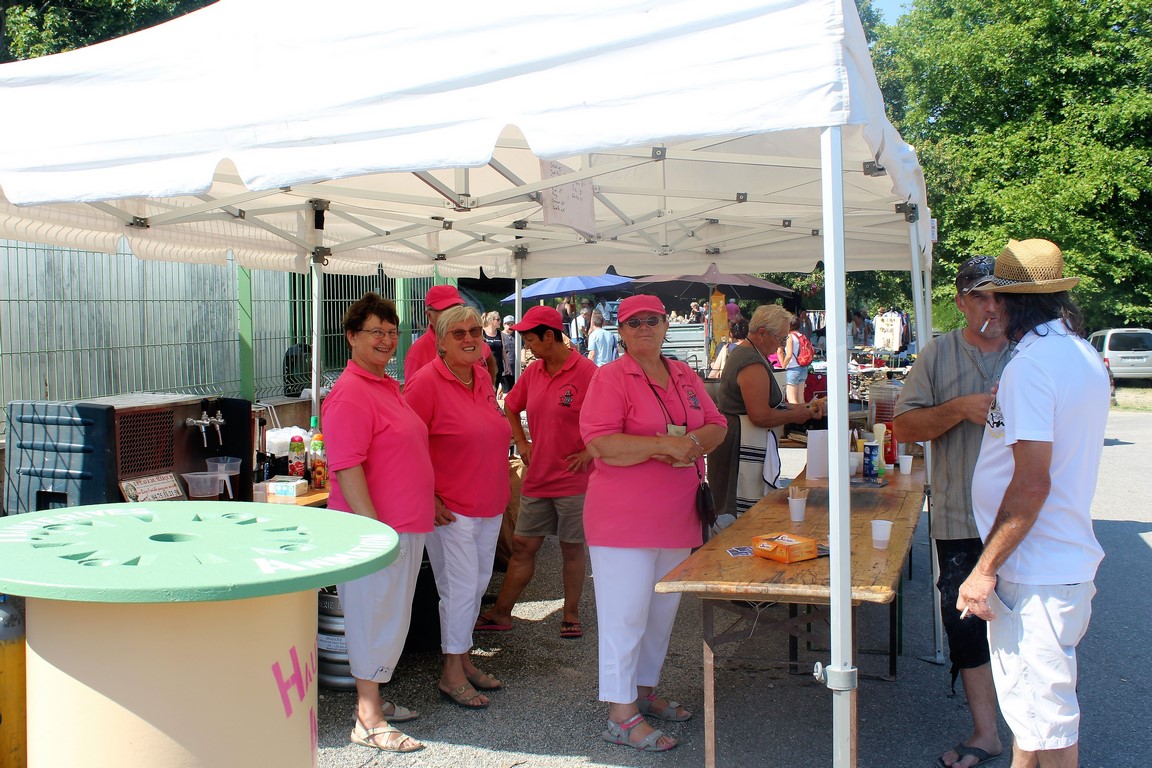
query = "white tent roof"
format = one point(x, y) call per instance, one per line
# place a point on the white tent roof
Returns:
point(690, 132)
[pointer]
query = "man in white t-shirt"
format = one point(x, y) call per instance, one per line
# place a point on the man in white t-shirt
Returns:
point(1032, 499)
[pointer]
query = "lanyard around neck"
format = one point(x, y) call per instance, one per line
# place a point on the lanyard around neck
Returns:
point(660, 400)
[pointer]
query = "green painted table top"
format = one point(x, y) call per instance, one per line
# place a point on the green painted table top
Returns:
point(186, 551)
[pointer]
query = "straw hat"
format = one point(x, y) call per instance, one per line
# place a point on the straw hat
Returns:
point(1030, 266)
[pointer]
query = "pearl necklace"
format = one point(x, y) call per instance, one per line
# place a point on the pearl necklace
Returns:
point(465, 383)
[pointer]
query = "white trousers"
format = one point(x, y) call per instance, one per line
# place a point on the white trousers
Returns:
point(461, 554)
point(634, 623)
point(378, 610)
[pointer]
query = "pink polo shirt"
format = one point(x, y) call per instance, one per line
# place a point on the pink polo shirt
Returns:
point(367, 422)
point(424, 351)
point(650, 504)
point(468, 437)
point(553, 404)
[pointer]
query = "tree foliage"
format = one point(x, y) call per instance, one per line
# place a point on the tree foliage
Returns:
point(31, 28)
point(1033, 120)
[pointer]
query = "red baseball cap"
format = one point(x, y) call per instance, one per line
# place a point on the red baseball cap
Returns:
point(641, 302)
point(441, 297)
point(540, 315)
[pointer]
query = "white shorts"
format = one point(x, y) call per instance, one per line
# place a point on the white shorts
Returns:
point(378, 609)
point(1033, 641)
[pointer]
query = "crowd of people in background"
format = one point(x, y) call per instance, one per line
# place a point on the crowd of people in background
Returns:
point(615, 452)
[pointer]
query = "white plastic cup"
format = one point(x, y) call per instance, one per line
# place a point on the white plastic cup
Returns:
point(905, 464)
point(881, 533)
point(796, 509)
point(856, 461)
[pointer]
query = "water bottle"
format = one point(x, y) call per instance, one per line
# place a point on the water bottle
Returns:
point(318, 463)
point(13, 701)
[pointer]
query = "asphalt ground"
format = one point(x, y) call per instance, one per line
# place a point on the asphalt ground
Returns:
point(547, 715)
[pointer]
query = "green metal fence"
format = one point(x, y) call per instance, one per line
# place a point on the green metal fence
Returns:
point(77, 325)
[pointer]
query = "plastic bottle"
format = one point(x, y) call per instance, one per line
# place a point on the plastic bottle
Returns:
point(891, 447)
point(13, 701)
point(318, 462)
point(313, 430)
point(297, 454)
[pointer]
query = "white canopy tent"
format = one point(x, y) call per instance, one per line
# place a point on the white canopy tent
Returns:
point(523, 139)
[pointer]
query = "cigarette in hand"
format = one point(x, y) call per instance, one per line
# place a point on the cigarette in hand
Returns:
point(964, 613)
point(985, 325)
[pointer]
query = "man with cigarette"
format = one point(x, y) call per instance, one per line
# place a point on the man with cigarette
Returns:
point(945, 399)
point(1032, 498)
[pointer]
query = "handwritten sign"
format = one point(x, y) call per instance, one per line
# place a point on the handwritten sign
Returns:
point(569, 205)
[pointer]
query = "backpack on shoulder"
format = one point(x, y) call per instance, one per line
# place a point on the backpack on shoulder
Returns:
point(804, 351)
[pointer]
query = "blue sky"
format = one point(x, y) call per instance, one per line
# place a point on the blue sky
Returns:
point(890, 9)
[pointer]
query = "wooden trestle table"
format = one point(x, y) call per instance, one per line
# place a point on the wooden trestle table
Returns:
point(718, 578)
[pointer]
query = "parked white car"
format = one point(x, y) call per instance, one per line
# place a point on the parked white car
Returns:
point(1126, 351)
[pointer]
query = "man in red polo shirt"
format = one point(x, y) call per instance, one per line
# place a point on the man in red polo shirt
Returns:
point(423, 350)
point(552, 390)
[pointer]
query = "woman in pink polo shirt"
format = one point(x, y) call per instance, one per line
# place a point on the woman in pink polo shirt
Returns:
point(378, 454)
point(468, 439)
point(647, 422)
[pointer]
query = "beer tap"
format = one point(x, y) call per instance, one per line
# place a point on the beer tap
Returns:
point(201, 422)
point(217, 421)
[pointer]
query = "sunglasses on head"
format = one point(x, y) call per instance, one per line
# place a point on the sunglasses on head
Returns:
point(651, 321)
point(459, 335)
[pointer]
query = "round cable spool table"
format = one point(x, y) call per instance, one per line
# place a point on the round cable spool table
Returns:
point(178, 633)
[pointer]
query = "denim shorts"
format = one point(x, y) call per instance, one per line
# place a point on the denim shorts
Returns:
point(796, 375)
point(967, 639)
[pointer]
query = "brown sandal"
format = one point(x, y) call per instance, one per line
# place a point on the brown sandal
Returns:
point(394, 740)
point(461, 696)
point(482, 681)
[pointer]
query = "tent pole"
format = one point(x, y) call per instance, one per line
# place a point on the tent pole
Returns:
point(519, 308)
point(922, 296)
point(840, 675)
point(319, 256)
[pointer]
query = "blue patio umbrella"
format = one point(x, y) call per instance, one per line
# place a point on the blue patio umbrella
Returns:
point(566, 286)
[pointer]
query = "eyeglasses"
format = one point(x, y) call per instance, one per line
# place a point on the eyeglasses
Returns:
point(781, 340)
point(459, 334)
point(380, 333)
point(651, 321)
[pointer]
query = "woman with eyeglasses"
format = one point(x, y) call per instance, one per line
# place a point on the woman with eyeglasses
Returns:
point(469, 440)
point(647, 422)
point(753, 404)
point(378, 455)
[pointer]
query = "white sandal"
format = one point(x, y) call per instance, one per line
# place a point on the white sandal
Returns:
point(617, 733)
point(366, 737)
point(399, 714)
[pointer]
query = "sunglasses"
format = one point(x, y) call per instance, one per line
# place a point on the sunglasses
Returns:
point(459, 335)
point(651, 321)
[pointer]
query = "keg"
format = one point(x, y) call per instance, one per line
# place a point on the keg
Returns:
point(332, 647)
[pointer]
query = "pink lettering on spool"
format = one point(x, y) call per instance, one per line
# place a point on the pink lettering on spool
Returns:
point(300, 680)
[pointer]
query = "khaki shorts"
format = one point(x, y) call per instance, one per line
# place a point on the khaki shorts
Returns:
point(563, 516)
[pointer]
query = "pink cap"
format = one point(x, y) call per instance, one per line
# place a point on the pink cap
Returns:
point(441, 297)
point(538, 316)
point(641, 302)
